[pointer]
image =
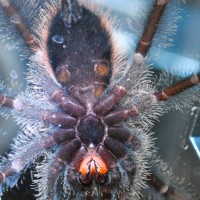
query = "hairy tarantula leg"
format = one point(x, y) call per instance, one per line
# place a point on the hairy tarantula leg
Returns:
point(109, 100)
point(119, 115)
point(57, 137)
point(124, 135)
point(41, 55)
point(22, 28)
point(162, 188)
point(68, 103)
point(117, 148)
point(57, 165)
point(17, 162)
point(51, 117)
point(145, 41)
point(173, 90)
point(59, 118)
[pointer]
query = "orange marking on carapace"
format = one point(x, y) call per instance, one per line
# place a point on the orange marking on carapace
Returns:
point(101, 69)
point(93, 163)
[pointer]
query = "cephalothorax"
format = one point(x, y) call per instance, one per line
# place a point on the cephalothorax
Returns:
point(87, 107)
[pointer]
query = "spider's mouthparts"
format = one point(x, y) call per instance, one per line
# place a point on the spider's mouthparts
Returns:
point(91, 167)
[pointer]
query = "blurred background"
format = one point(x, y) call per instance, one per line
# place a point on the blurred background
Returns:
point(178, 134)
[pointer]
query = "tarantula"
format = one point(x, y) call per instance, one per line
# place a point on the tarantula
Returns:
point(88, 106)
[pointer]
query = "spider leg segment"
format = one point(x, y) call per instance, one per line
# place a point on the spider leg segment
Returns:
point(159, 185)
point(109, 100)
point(68, 103)
point(20, 25)
point(56, 166)
point(173, 90)
point(6, 101)
point(120, 115)
point(145, 41)
point(31, 39)
point(165, 190)
point(18, 162)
